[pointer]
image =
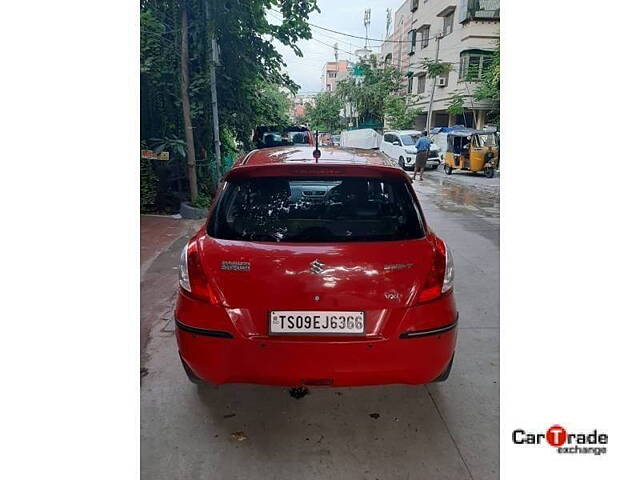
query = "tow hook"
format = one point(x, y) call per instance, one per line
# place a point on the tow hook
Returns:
point(298, 392)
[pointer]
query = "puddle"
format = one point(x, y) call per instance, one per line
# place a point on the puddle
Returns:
point(456, 198)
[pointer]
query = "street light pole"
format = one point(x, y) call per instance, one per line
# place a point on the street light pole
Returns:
point(433, 86)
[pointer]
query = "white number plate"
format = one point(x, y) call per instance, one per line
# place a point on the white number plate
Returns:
point(316, 322)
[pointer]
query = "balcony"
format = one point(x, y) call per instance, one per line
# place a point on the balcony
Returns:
point(478, 10)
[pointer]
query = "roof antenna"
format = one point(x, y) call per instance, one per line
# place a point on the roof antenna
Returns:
point(316, 152)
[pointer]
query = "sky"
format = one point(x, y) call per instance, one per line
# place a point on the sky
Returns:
point(341, 15)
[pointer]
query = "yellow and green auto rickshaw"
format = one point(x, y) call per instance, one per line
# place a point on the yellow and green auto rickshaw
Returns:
point(472, 150)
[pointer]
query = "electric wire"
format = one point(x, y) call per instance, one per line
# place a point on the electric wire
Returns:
point(357, 36)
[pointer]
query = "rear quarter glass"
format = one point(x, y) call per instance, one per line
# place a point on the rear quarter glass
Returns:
point(312, 209)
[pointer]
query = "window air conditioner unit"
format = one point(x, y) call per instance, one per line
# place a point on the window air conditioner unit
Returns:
point(441, 81)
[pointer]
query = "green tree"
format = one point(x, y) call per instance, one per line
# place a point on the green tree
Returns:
point(489, 86)
point(271, 105)
point(456, 104)
point(399, 114)
point(436, 68)
point(325, 114)
point(369, 93)
point(249, 64)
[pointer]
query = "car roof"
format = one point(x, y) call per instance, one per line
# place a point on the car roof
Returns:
point(304, 155)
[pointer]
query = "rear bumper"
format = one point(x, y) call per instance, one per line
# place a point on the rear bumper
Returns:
point(222, 355)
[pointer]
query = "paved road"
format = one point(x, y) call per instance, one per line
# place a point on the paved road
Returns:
point(466, 179)
point(443, 431)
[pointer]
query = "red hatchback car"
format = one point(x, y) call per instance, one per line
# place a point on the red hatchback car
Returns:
point(316, 272)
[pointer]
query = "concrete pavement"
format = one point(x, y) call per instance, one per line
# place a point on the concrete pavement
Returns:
point(442, 431)
point(161, 239)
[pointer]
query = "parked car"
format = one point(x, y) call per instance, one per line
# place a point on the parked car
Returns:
point(400, 146)
point(271, 136)
point(316, 273)
point(336, 140)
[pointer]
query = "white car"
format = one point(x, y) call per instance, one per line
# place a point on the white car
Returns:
point(400, 146)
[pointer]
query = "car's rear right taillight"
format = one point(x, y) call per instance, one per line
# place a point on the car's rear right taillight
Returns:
point(192, 279)
point(440, 279)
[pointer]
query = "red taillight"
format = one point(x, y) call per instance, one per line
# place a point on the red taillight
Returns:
point(432, 287)
point(192, 277)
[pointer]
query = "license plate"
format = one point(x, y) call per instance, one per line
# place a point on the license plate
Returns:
point(316, 323)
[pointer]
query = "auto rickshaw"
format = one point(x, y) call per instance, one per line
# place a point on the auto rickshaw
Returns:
point(472, 150)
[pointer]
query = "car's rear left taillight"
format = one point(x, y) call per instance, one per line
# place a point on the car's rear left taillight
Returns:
point(192, 278)
point(440, 279)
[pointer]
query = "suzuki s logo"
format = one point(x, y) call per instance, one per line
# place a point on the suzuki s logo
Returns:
point(317, 267)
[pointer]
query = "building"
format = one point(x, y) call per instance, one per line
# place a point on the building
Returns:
point(467, 32)
point(332, 73)
point(298, 105)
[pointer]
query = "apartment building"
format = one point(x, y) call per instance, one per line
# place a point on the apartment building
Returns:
point(298, 105)
point(332, 73)
point(468, 31)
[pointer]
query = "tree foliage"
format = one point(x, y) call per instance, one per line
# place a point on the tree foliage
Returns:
point(436, 68)
point(249, 76)
point(489, 86)
point(369, 93)
point(399, 114)
point(271, 105)
point(325, 114)
point(456, 104)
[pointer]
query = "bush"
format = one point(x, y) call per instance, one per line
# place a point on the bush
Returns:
point(148, 187)
point(203, 201)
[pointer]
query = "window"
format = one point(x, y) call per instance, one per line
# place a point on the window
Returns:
point(488, 140)
point(409, 140)
point(448, 24)
point(422, 82)
point(411, 38)
point(414, 5)
point(479, 10)
point(424, 39)
point(332, 74)
point(472, 64)
point(316, 209)
point(410, 85)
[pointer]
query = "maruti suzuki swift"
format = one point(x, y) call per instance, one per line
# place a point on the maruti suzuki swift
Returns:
point(316, 272)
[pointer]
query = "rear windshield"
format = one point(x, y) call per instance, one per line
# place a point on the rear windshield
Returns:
point(350, 209)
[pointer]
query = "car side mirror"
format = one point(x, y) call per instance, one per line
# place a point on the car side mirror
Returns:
point(396, 143)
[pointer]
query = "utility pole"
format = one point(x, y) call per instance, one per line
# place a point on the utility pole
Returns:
point(335, 51)
point(367, 22)
point(388, 21)
point(433, 87)
point(214, 104)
